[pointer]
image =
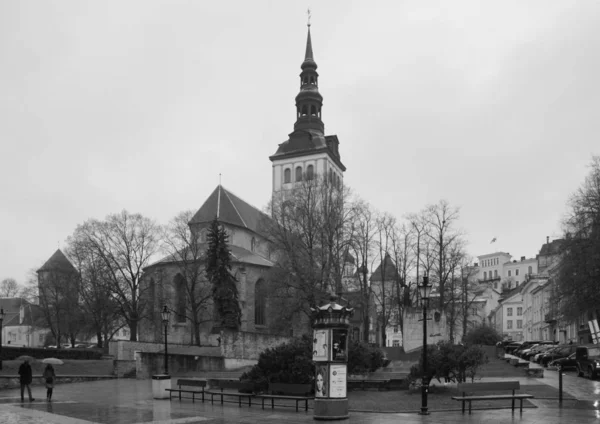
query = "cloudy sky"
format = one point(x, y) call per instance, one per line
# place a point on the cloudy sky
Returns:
point(139, 105)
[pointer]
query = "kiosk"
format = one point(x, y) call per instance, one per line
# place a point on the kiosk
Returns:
point(330, 355)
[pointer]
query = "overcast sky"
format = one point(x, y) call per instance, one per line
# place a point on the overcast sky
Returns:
point(139, 105)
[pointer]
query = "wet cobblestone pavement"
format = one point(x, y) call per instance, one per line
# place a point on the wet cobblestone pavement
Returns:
point(130, 402)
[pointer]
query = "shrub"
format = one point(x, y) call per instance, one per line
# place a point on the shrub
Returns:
point(292, 363)
point(363, 358)
point(445, 360)
point(483, 335)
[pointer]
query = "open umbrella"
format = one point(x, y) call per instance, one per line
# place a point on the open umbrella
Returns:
point(53, 361)
point(25, 358)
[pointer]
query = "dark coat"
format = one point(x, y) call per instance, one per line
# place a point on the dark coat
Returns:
point(25, 373)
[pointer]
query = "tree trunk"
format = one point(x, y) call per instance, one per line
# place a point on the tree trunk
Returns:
point(133, 327)
point(99, 337)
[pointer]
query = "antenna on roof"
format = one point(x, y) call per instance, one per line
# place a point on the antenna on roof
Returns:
point(219, 178)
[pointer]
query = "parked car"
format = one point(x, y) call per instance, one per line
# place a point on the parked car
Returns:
point(564, 363)
point(561, 351)
point(511, 347)
point(588, 361)
point(529, 344)
point(534, 351)
point(543, 350)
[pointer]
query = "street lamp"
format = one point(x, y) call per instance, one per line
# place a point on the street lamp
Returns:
point(1, 320)
point(166, 314)
point(425, 292)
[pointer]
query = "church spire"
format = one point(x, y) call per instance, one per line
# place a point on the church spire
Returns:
point(309, 101)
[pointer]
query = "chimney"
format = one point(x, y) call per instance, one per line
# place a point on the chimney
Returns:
point(522, 258)
point(547, 239)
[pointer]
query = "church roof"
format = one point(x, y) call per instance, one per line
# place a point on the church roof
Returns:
point(229, 209)
point(238, 254)
point(390, 270)
point(58, 262)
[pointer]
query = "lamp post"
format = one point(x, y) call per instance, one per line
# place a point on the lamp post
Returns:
point(1, 321)
point(166, 314)
point(424, 291)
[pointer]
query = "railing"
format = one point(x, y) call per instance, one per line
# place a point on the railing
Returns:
point(549, 318)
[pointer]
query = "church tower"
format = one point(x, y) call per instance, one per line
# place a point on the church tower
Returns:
point(308, 152)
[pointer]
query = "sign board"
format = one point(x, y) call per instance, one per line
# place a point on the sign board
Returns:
point(321, 345)
point(337, 380)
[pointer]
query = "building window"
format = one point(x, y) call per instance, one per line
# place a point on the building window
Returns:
point(253, 244)
point(309, 172)
point(509, 312)
point(396, 343)
point(41, 339)
point(519, 324)
point(259, 302)
point(519, 311)
point(509, 324)
point(530, 270)
point(495, 273)
point(395, 328)
point(496, 285)
point(298, 173)
point(180, 298)
point(484, 275)
point(517, 271)
point(287, 176)
point(474, 311)
point(509, 274)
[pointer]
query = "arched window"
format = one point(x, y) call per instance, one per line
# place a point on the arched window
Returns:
point(259, 303)
point(313, 110)
point(180, 298)
point(312, 80)
point(309, 172)
point(287, 176)
point(484, 275)
point(298, 173)
point(304, 110)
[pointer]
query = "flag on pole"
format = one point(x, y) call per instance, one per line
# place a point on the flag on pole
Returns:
point(493, 240)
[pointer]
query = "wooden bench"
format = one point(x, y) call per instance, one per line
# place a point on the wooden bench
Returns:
point(232, 388)
point(297, 392)
point(365, 383)
point(466, 388)
point(188, 382)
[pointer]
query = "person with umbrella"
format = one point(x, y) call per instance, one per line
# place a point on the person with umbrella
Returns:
point(49, 375)
point(25, 377)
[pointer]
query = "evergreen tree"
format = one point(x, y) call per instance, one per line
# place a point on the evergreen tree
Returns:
point(218, 272)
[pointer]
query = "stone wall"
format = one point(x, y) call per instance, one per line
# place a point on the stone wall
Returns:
point(151, 363)
point(242, 345)
point(125, 368)
point(124, 349)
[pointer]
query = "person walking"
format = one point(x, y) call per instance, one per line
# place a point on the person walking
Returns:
point(49, 376)
point(25, 377)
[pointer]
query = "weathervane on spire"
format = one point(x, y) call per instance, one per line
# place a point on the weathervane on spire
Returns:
point(308, 13)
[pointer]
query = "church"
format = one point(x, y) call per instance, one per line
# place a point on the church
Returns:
point(306, 153)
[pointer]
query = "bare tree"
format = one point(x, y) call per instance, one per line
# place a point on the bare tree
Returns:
point(9, 288)
point(363, 239)
point(443, 236)
point(187, 252)
point(308, 231)
point(403, 241)
point(100, 310)
point(126, 243)
point(578, 276)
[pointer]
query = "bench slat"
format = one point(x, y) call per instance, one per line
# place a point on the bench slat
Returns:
point(491, 397)
point(481, 387)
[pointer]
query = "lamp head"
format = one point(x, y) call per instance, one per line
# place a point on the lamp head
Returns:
point(166, 314)
point(425, 289)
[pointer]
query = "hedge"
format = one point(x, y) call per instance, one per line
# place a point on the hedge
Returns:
point(12, 352)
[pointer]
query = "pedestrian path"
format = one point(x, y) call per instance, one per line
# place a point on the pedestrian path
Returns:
point(130, 401)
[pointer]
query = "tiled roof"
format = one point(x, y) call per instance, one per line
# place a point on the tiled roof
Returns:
point(11, 304)
point(229, 209)
point(552, 248)
point(239, 254)
point(390, 271)
point(58, 262)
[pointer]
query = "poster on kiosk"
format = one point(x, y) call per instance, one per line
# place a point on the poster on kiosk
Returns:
point(321, 345)
point(339, 345)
